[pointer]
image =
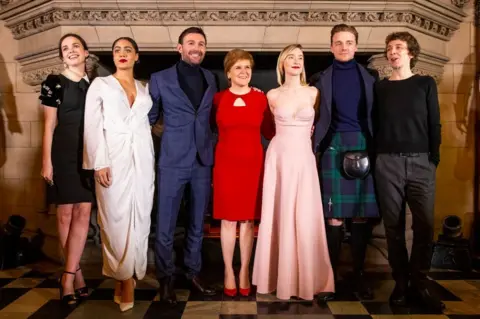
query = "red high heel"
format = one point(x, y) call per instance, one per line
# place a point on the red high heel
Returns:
point(230, 292)
point(245, 291)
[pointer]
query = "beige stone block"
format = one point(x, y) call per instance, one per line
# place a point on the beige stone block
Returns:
point(22, 107)
point(454, 184)
point(459, 47)
point(469, 9)
point(310, 36)
point(88, 33)
point(151, 34)
point(463, 77)
point(12, 191)
point(446, 84)
point(9, 44)
point(35, 194)
point(42, 40)
point(36, 134)
point(174, 32)
point(429, 43)
point(22, 163)
point(281, 35)
point(108, 34)
point(452, 107)
point(240, 36)
point(8, 74)
point(453, 135)
point(18, 137)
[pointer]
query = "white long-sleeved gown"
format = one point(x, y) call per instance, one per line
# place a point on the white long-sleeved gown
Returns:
point(119, 137)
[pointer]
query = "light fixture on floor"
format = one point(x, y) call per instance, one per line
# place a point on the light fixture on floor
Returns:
point(451, 251)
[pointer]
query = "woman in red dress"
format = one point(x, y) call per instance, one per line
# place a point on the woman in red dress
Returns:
point(241, 115)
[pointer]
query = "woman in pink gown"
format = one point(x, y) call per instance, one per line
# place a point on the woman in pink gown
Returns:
point(292, 255)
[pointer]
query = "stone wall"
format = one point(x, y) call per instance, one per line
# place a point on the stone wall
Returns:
point(455, 176)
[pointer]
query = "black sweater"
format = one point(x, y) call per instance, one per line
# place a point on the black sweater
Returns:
point(407, 117)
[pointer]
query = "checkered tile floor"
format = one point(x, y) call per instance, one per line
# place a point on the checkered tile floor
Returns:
point(31, 292)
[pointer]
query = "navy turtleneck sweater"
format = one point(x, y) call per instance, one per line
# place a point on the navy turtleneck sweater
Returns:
point(349, 112)
point(192, 82)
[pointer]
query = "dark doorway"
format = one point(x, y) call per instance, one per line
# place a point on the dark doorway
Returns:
point(264, 74)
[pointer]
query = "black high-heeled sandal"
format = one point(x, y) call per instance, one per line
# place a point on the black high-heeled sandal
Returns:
point(71, 299)
point(83, 291)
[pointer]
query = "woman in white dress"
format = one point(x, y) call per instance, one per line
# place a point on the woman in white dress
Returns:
point(119, 147)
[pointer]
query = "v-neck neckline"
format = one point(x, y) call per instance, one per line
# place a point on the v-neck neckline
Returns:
point(125, 92)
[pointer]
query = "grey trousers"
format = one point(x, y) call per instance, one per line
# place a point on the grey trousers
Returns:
point(407, 179)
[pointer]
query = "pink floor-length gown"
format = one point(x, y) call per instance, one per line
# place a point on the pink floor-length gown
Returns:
point(292, 254)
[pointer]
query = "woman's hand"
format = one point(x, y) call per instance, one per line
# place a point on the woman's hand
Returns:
point(47, 173)
point(104, 176)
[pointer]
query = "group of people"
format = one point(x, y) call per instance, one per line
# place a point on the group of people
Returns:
point(378, 143)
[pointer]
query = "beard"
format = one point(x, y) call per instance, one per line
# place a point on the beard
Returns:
point(187, 58)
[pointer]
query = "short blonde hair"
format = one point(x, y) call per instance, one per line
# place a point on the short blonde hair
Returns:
point(233, 56)
point(281, 59)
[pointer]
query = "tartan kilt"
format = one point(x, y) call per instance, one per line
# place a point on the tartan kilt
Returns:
point(343, 197)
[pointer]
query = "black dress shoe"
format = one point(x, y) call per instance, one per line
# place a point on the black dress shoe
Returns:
point(362, 287)
point(325, 296)
point(399, 296)
point(196, 284)
point(167, 293)
point(423, 296)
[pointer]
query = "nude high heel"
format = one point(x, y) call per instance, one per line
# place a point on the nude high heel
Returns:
point(118, 289)
point(124, 306)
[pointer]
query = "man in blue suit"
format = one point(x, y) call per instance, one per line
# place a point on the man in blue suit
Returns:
point(345, 124)
point(183, 96)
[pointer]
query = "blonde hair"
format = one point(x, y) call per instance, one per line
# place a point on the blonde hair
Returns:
point(281, 59)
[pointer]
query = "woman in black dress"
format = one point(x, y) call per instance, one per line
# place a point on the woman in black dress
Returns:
point(69, 186)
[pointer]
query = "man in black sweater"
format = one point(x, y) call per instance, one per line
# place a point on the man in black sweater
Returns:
point(407, 142)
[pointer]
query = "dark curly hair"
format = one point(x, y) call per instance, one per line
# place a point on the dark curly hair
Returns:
point(412, 44)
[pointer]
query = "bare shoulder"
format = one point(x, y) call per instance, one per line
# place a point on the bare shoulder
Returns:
point(273, 94)
point(312, 90)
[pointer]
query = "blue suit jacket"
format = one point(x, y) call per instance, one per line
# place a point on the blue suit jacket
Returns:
point(186, 130)
point(324, 84)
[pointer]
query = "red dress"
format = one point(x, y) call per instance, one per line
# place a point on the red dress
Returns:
point(239, 154)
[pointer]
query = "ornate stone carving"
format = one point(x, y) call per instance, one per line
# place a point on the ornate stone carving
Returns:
point(35, 75)
point(460, 3)
point(426, 65)
point(56, 17)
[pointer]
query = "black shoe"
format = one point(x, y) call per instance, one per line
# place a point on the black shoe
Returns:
point(362, 287)
point(82, 292)
point(399, 296)
point(196, 284)
point(167, 293)
point(70, 299)
point(423, 296)
point(325, 296)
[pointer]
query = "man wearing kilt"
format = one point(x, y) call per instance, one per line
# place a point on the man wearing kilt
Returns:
point(345, 125)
